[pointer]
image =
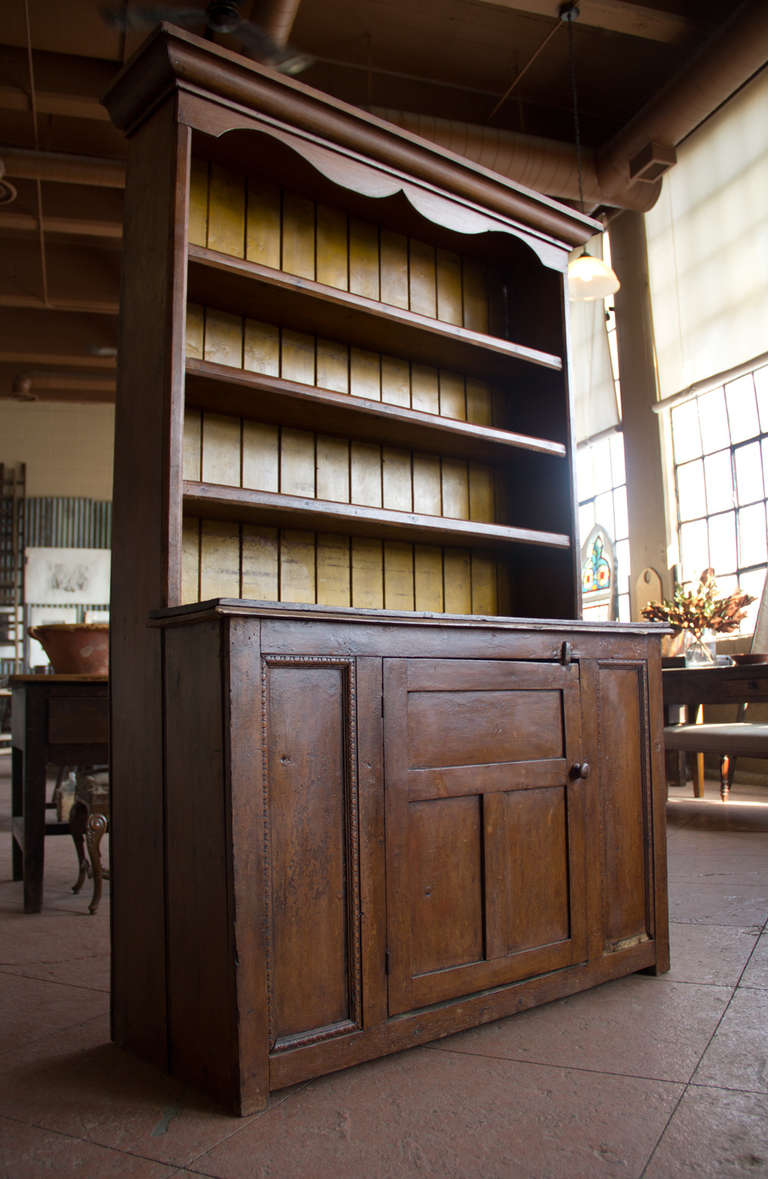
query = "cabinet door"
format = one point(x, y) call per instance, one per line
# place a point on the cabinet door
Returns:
point(485, 825)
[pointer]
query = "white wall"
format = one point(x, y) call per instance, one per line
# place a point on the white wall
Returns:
point(67, 446)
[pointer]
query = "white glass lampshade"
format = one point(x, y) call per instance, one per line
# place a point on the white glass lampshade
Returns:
point(590, 278)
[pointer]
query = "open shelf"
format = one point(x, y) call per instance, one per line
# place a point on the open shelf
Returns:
point(215, 501)
point(272, 399)
point(250, 289)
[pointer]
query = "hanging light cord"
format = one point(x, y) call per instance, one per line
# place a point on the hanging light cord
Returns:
point(569, 13)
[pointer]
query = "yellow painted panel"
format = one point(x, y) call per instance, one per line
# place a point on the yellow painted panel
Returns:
point(458, 581)
point(190, 560)
point(426, 484)
point(455, 489)
point(297, 357)
point(481, 503)
point(484, 593)
point(332, 251)
point(394, 269)
point(223, 338)
point(297, 566)
point(395, 381)
point(363, 258)
point(259, 563)
point(475, 297)
point(365, 374)
point(449, 301)
point(261, 351)
point(260, 456)
point(424, 389)
point(195, 330)
point(332, 469)
point(332, 366)
point(191, 449)
point(221, 449)
point(297, 462)
point(365, 474)
point(367, 573)
point(396, 479)
point(219, 559)
point(298, 235)
point(479, 403)
point(262, 241)
point(398, 576)
point(422, 278)
point(333, 570)
point(453, 401)
point(428, 578)
point(226, 212)
point(198, 203)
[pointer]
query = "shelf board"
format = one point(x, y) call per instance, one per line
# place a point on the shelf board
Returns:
point(215, 501)
point(260, 292)
point(225, 389)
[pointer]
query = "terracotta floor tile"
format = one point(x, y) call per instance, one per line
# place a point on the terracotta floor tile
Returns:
point(27, 1152)
point(714, 954)
point(737, 1058)
point(636, 1026)
point(80, 1084)
point(714, 1134)
point(425, 1113)
point(756, 974)
point(31, 1009)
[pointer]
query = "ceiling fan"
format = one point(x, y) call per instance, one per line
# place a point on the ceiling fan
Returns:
point(218, 16)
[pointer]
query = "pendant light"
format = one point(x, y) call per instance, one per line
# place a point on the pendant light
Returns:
point(589, 278)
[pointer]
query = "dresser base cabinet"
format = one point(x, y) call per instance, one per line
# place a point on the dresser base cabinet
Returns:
point(382, 829)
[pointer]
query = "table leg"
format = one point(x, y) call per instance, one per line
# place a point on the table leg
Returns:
point(698, 776)
point(33, 812)
point(17, 805)
point(97, 825)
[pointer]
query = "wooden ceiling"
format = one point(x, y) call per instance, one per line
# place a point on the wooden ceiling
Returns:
point(501, 66)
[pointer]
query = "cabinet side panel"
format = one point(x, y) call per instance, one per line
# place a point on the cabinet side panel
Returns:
point(201, 1012)
point(309, 834)
point(146, 563)
point(624, 792)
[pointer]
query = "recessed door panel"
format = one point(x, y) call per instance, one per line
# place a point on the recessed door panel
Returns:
point(485, 817)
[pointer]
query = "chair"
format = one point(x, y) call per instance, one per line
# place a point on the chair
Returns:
point(741, 738)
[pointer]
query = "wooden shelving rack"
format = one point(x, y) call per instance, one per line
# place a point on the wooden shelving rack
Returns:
point(344, 488)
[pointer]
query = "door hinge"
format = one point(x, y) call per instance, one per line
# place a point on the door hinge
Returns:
point(386, 961)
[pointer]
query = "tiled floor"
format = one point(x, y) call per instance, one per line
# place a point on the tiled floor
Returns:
point(659, 1077)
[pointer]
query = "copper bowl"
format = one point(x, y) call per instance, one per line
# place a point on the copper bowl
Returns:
point(751, 658)
point(75, 648)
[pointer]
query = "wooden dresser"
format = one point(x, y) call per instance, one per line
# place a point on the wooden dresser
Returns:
point(354, 753)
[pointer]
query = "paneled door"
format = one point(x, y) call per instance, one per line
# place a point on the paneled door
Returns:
point(485, 824)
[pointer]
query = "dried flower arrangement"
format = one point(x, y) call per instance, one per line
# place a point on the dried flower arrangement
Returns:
point(700, 609)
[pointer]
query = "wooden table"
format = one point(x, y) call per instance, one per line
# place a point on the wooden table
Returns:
point(693, 687)
point(59, 720)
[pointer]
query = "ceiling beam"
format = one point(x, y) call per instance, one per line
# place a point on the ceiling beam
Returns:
point(615, 16)
point(21, 164)
point(67, 226)
point(58, 359)
point(51, 102)
point(22, 302)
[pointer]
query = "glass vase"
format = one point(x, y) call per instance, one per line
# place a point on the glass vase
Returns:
point(699, 650)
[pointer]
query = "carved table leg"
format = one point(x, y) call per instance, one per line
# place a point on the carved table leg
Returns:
point(97, 825)
point(78, 820)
